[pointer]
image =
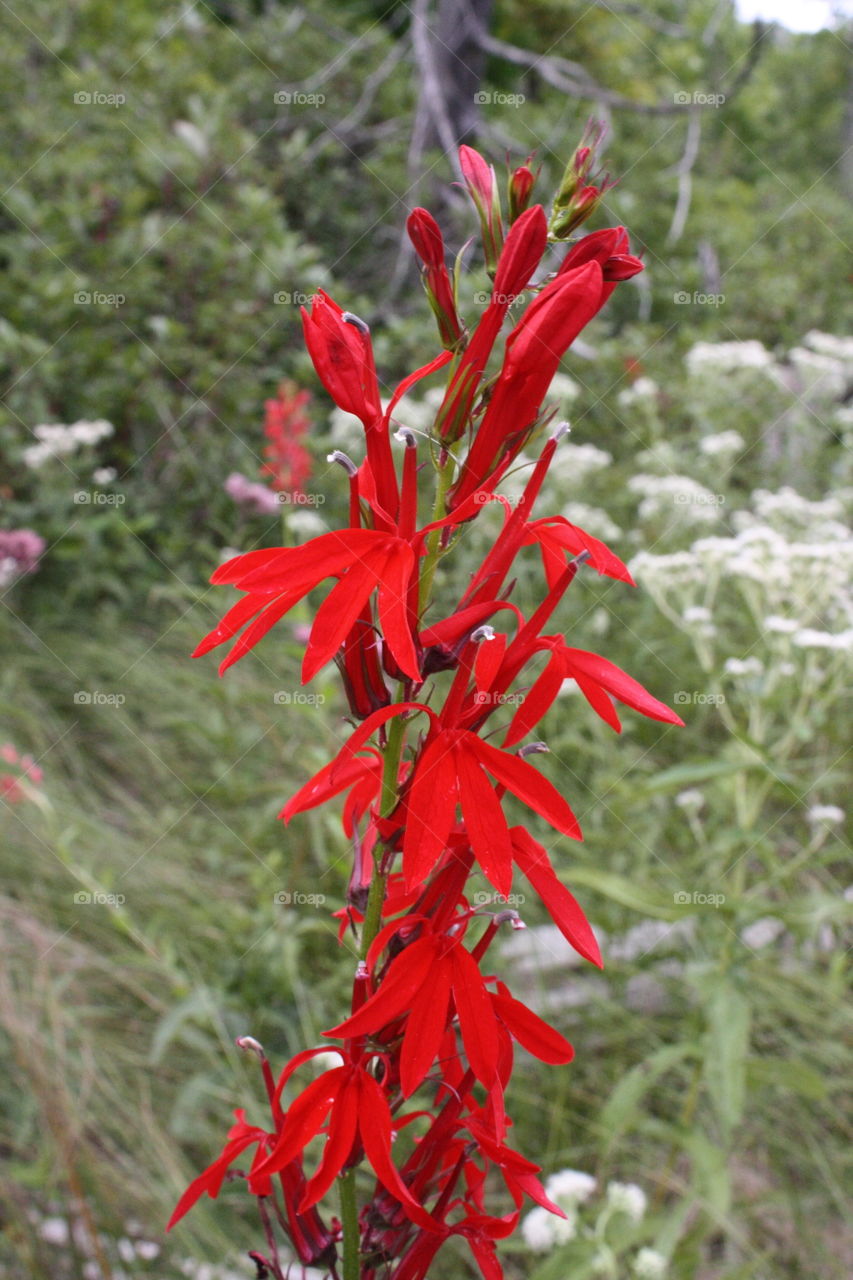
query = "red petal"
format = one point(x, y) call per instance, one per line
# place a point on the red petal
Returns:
point(375, 1129)
point(536, 1036)
point(529, 785)
point(323, 786)
point(241, 1136)
point(425, 1027)
point(431, 803)
point(406, 975)
point(304, 1118)
point(620, 685)
point(537, 702)
point(562, 907)
point(476, 1016)
point(337, 614)
point(342, 1128)
point(393, 614)
point(484, 821)
point(258, 629)
point(488, 661)
point(236, 617)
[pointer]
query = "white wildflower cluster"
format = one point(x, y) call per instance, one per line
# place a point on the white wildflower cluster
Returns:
point(675, 499)
point(593, 519)
point(563, 389)
point(818, 376)
point(790, 513)
point(650, 1265)
point(743, 667)
point(691, 800)
point(675, 571)
point(55, 440)
point(723, 444)
point(628, 1198)
point(644, 390)
point(577, 461)
point(825, 815)
point(699, 620)
point(829, 344)
point(543, 1230)
point(724, 357)
point(347, 433)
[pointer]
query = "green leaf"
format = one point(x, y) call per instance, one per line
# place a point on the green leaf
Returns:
point(624, 1102)
point(623, 891)
point(792, 1075)
point(727, 1046)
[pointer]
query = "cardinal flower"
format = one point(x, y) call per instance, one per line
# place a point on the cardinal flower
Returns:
point(275, 580)
point(348, 1105)
point(421, 982)
point(240, 1137)
point(453, 770)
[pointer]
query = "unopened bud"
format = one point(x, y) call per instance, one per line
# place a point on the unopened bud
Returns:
point(521, 184)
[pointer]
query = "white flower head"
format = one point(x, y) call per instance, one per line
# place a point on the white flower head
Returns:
point(721, 444)
point(691, 799)
point(649, 1265)
point(627, 1197)
point(825, 815)
point(537, 1229)
point(570, 1187)
point(743, 667)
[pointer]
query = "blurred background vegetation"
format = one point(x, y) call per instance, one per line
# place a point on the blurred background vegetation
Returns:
point(176, 179)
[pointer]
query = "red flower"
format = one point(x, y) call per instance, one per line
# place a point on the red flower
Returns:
point(286, 424)
point(452, 769)
point(275, 580)
point(358, 1117)
point(240, 1136)
point(421, 981)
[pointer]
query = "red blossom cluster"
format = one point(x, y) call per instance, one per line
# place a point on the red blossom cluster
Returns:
point(286, 427)
point(427, 1049)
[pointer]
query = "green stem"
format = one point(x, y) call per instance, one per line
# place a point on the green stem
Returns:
point(446, 472)
point(349, 1225)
